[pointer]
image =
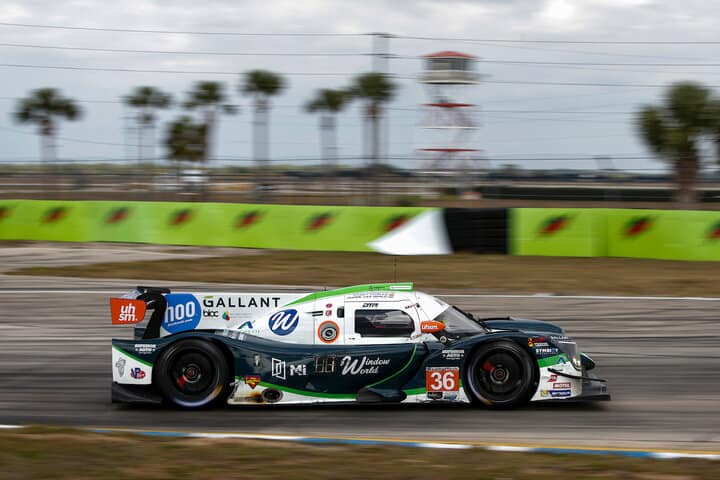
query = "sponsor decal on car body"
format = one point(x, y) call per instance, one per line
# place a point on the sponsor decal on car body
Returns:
point(284, 322)
point(120, 365)
point(183, 312)
point(145, 348)
point(362, 365)
point(560, 393)
point(442, 379)
point(252, 380)
point(453, 354)
point(280, 369)
point(223, 302)
point(125, 311)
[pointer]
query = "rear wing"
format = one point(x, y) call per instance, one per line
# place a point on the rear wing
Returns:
point(175, 312)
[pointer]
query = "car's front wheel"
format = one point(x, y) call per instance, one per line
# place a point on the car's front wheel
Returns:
point(500, 375)
point(192, 374)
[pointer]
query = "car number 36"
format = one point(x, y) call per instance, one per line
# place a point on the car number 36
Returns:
point(442, 379)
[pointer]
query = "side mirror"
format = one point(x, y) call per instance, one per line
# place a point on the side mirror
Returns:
point(431, 326)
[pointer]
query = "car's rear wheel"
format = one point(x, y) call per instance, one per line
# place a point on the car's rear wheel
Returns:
point(192, 374)
point(500, 375)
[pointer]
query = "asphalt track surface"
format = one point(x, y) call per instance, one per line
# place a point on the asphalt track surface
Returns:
point(661, 357)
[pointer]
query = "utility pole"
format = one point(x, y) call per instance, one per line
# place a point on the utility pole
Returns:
point(381, 64)
point(128, 123)
point(381, 52)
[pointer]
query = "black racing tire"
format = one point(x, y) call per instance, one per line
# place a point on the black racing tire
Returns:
point(192, 374)
point(500, 375)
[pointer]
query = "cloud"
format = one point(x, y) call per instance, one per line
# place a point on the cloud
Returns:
point(294, 132)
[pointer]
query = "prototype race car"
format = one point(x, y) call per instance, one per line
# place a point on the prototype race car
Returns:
point(367, 343)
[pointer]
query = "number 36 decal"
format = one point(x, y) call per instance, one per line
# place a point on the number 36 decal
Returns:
point(442, 379)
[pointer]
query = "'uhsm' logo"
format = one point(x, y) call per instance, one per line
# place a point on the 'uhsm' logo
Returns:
point(284, 322)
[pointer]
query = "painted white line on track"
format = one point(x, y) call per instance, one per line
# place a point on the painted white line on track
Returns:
point(580, 297)
point(452, 446)
point(69, 292)
point(508, 448)
point(538, 296)
point(11, 426)
point(673, 455)
point(246, 436)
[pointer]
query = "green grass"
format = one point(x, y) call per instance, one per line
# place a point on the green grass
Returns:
point(491, 273)
point(54, 453)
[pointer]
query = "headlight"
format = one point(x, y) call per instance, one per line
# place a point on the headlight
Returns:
point(569, 348)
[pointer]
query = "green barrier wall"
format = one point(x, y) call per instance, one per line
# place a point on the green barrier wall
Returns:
point(570, 232)
point(213, 224)
point(674, 235)
point(661, 234)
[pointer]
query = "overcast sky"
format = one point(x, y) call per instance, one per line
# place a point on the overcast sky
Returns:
point(522, 120)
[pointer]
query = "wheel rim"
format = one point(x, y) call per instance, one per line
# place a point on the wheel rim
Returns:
point(192, 375)
point(498, 376)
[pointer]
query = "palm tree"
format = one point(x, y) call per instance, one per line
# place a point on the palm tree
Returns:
point(375, 89)
point(146, 100)
point(329, 102)
point(209, 98)
point(186, 140)
point(261, 85)
point(678, 129)
point(43, 108)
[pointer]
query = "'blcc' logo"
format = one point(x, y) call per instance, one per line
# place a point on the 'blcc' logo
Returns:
point(284, 322)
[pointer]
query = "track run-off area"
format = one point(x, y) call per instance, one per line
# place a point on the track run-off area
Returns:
point(661, 356)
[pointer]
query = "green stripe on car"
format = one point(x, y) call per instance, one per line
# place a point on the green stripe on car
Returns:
point(373, 287)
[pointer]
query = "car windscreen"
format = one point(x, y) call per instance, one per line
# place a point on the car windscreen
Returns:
point(456, 322)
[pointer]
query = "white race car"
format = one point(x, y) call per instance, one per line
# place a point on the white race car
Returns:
point(367, 343)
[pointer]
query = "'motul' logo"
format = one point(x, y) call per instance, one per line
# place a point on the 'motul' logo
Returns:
point(284, 322)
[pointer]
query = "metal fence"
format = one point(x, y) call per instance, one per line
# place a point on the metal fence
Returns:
point(382, 185)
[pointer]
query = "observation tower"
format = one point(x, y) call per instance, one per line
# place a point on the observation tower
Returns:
point(448, 121)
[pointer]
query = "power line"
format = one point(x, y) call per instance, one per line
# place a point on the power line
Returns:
point(181, 72)
point(491, 43)
point(569, 84)
point(330, 74)
point(183, 32)
point(581, 52)
point(582, 84)
point(361, 34)
point(599, 64)
point(560, 42)
point(573, 64)
point(185, 52)
point(325, 54)
point(565, 65)
point(67, 139)
point(409, 108)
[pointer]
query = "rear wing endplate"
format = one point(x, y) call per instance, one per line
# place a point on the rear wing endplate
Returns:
point(131, 307)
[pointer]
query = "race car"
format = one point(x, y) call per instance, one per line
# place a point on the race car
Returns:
point(366, 344)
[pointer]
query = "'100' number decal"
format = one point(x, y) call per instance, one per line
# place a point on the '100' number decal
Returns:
point(183, 312)
point(284, 322)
